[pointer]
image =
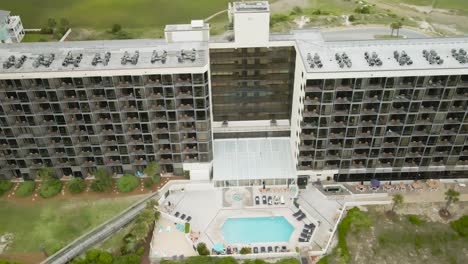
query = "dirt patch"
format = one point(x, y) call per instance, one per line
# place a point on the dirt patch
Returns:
point(27, 258)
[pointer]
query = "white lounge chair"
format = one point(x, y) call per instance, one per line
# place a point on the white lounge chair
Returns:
point(282, 199)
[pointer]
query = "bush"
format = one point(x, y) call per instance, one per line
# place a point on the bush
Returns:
point(148, 183)
point(363, 9)
point(50, 188)
point(355, 218)
point(76, 185)
point(187, 228)
point(26, 188)
point(4, 261)
point(461, 226)
point(245, 250)
point(127, 259)
point(156, 179)
point(127, 183)
point(152, 169)
point(352, 18)
point(140, 251)
point(202, 249)
point(102, 181)
point(116, 28)
point(415, 220)
point(278, 18)
point(187, 174)
point(5, 186)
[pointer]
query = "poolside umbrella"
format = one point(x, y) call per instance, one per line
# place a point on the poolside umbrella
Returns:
point(375, 183)
point(218, 247)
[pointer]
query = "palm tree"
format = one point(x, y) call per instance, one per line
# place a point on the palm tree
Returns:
point(397, 201)
point(396, 26)
point(451, 196)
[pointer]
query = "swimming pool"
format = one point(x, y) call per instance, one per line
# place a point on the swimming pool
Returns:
point(257, 230)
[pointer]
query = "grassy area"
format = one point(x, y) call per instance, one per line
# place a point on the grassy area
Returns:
point(55, 223)
point(114, 242)
point(444, 4)
point(34, 37)
point(406, 239)
point(102, 14)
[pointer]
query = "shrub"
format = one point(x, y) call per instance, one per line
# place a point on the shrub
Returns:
point(202, 249)
point(461, 226)
point(50, 188)
point(26, 188)
point(148, 183)
point(156, 179)
point(415, 220)
point(76, 185)
point(187, 228)
point(355, 218)
point(127, 259)
point(140, 251)
point(116, 28)
point(278, 18)
point(187, 174)
point(245, 250)
point(102, 181)
point(5, 186)
point(363, 9)
point(152, 169)
point(3, 261)
point(127, 183)
point(352, 18)
point(296, 10)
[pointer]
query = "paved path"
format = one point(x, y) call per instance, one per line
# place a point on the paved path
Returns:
point(364, 33)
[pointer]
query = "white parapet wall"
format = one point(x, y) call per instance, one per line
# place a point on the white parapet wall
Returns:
point(199, 171)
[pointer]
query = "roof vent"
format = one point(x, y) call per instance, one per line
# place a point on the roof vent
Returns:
point(372, 59)
point(156, 57)
point(184, 55)
point(13, 61)
point(460, 55)
point(432, 57)
point(402, 58)
point(98, 59)
point(45, 60)
point(315, 61)
point(69, 59)
point(343, 60)
point(134, 59)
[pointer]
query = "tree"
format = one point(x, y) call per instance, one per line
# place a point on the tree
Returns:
point(202, 249)
point(140, 230)
point(152, 169)
point(397, 201)
point(396, 26)
point(76, 185)
point(127, 183)
point(45, 173)
point(148, 183)
point(102, 181)
point(116, 28)
point(51, 22)
point(451, 196)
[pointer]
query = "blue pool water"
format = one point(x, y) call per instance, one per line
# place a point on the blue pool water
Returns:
point(257, 230)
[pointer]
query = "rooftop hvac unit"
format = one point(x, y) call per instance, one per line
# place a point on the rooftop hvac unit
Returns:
point(460, 55)
point(98, 59)
point(432, 57)
point(372, 59)
point(156, 57)
point(45, 60)
point(133, 60)
point(402, 58)
point(12, 60)
point(185, 55)
point(315, 61)
point(343, 60)
point(69, 59)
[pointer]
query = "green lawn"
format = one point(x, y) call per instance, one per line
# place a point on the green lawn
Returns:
point(55, 223)
point(102, 14)
point(34, 37)
point(444, 4)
